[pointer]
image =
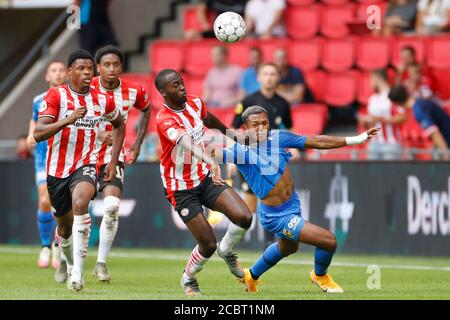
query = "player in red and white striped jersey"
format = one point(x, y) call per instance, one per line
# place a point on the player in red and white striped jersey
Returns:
point(125, 94)
point(383, 114)
point(192, 179)
point(69, 117)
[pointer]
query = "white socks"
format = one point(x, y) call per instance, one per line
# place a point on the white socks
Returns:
point(81, 231)
point(66, 248)
point(194, 265)
point(108, 228)
point(233, 236)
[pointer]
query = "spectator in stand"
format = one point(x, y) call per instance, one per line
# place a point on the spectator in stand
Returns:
point(249, 81)
point(400, 16)
point(433, 16)
point(382, 113)
point(432, 118)
point(221, 84)
point(418, 85)
point(96, 30)
point(22, 150)
point(264, 18)
point(292, 86)
point(407, 58)
point(215, 7)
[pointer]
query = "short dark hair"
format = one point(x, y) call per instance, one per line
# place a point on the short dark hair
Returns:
point(257, 49)
point(265, 64)
point(398, 94)
point(160, 79)
point(222, 48)
point(252, 110)
point(79, 54)
point(107, 50)
point(410, 49)
point(381, 73)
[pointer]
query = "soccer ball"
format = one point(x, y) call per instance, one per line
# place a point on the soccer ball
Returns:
point(229, 27)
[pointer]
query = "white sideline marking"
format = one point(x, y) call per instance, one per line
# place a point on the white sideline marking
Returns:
point(122, 254)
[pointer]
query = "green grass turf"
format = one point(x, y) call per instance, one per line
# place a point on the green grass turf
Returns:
point(155, 274)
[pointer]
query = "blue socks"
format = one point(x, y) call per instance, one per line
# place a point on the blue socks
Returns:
point(269, 258)
point(45, 227)
point(322, 259)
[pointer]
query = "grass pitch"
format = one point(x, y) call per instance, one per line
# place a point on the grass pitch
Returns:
point(141, 274)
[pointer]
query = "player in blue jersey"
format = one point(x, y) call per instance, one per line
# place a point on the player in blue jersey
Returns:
point(56, 75)
point(264, 167)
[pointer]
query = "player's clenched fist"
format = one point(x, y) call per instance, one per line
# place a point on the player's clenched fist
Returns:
point(77, 114)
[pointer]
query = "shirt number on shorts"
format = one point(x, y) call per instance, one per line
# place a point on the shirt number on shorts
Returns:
point(119, 173)
point(89, 171)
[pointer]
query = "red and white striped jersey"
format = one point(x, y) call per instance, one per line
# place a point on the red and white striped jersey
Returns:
point(74, 146)
point(180, 171)
point(128, 94)
point(379, 105)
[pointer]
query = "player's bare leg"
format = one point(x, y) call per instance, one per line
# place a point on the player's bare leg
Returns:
point(232, 205)
point(325, 243)
point(45, 225)
point(108, 230)
point(206, 240)
point(81, 229)
point(63, 235)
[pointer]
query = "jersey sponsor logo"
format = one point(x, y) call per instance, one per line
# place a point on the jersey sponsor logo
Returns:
point(184, 212)
point(96, 108)
point(43, 106)
point(86, 123)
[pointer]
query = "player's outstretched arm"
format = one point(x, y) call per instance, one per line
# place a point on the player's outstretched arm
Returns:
point(331, 142)
point(118, 137)
point(46, 128)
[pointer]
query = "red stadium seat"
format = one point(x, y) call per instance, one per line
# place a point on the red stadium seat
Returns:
point(303, 22)
point(372, 52)
point(226, 115)
point(305, 54)
point(364, 88)
point(198, 56)
point(156, 99)
point(335, 2)
point(315, 81)
point(400, 42)
point(338, 55)
point(239, 53)
point(438, 51)
point(334, 20)
point(166, 54)
point(142, 78)
point(268, 47)
point(440, 78)
point(191, 22)
point(299, 2)
point(319, 108)
point(340, 88)
point(194, 85)
point(307, 122)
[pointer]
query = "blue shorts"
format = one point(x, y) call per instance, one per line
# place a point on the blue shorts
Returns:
point(40, 157)
point(285, 220)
